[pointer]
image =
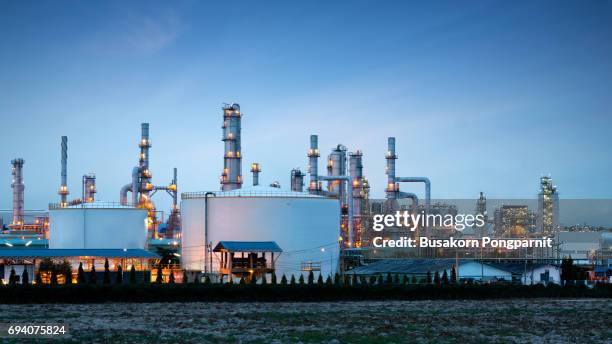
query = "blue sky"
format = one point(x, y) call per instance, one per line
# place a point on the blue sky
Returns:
point(481, 95)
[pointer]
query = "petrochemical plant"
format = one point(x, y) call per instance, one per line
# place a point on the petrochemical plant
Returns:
point(240, 230)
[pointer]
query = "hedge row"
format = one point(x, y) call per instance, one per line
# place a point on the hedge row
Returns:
point(17, 294)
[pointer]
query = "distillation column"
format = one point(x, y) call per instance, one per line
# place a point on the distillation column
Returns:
point(63, 191)
point(297, 180)
point(314, 187)
point(18, 189)
point(255, 168)
point(231, 178)
point(89, 188)
point(356, 174)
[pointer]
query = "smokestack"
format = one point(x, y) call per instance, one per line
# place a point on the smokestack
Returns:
point(18, 188)
point(297, 180)
point(313, 164)
point(89, 188)
point(255, 168)
point(63, 191)
point(391, 189)
point(231, 178)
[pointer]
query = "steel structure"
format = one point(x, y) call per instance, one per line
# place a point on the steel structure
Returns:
point(63, 190)
point(297, 180)
point(231, 177)
point(142, 188)
point(255, 169)
point(89, 188)
point(18, 191)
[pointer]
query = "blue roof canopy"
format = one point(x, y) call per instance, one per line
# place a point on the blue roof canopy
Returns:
point(80, 252)
point(247, 246)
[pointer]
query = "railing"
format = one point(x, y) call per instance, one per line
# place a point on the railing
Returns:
point(241, 193)
point(97, 205)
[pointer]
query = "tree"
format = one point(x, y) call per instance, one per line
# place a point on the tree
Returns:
point(396, 279)
point(25, 279)
point(328, 281)
point(242, 282)
point(320, 280)
point(453, 278)
point(253, 279)
point(13, 277)
point(273, 278)
point(284, 280)
point(414, 279)
point(185, 278)
point(54, 277)
point(196, 278)
point(264, 280)
point(379, 280)
point(310, 278)
point(567, 270)
point(207, 280)
point(159, 278)
point(362, 280)
point(38, 279)
point(301, 279)
point(354, 280)
point(292, 280)
point(66, 270)
point(80, 274)
point(346, 280)
point(444, 277)
point(93, 278)
point(428, 277)
point(372, 280)
point(106, 279)
point(336, 279)
point(133, 274)
point(171, 277)
point(119, 275)
point(437, 278)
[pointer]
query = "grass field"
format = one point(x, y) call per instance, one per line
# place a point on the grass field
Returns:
point(496, 321)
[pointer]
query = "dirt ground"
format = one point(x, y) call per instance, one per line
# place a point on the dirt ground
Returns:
point(498, 321)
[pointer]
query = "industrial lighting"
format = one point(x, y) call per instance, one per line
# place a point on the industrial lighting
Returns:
point(176, 254)
point(28, 243)
point(8, 244)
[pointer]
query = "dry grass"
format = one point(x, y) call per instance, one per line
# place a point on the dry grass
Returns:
point(498, 321)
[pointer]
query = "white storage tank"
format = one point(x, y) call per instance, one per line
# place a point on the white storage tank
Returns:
point(305, 226)
point(97, 225)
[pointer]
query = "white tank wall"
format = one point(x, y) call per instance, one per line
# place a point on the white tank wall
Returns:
point(97, 228)
point(296, 224)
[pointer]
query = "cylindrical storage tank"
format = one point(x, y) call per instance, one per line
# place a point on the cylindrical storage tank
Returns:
point(94, 225)
point(305, 226)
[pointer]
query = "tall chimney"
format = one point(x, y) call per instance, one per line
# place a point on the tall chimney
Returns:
point(63, 191)
point(18, 188)
point(231, 178)
point(313, 164)
point(336, 166)
point(391, 189)
point(255, 168)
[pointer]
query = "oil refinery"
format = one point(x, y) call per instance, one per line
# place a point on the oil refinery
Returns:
point(242, 231)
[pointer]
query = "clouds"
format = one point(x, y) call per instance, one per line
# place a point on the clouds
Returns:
point(137, 32)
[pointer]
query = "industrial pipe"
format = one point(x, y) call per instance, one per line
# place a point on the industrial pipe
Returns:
point(424, 180)
point(206, 243)
point(123, 193)
point(413, 197)
point(349, 186)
